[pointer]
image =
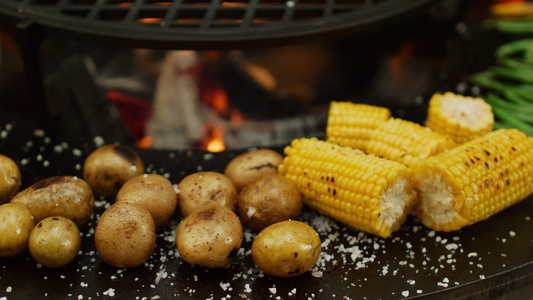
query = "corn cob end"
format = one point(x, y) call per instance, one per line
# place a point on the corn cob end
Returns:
point(460, 117)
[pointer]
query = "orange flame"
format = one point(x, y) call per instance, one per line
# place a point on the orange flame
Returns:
point(216, 143)
point(145, 142)
point(220, 101)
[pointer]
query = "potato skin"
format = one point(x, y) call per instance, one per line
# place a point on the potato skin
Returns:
point(210, 237)
point(154, 193)
point(200, 189)
point(55, 241)
point(267, 200)
point(125, 235)
point(16, 224)
point(66, 196)
point(10, 178)
point(286, 249)
point(249, 166)
point(107, 168)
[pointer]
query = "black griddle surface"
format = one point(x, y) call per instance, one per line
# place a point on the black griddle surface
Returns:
point(484, 260)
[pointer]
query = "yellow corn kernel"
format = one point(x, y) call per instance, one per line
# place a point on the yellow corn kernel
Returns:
point(351, 124)
point(459, 117)
point(407, 142)
point(499, 168)
point(379, 194)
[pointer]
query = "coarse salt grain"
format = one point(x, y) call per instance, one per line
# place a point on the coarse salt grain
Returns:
point(293, 292)
point(38, 132)
point(451, 246)
point(225, 286)
point(98, 141)
point(472, 254)
point(110, 292)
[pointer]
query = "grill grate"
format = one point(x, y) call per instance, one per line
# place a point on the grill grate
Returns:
point(214, 23)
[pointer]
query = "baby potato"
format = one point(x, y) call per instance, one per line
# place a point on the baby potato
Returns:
point(55, 241)
point(10, 178)
point(210, 237)
point(202, 188)
point(154, 193)
point(107, 168)
point(66, 196)
point(249, 166)
point(267, 200)
point(286, 249)
point(16, 224)
point(125, 235)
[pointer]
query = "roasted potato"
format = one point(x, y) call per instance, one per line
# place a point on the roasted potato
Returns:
point(202, 188)
point(267, 200)
point(16, 224)
point(66, 196)
point(286, 249)
point(210, 237)
point(154, 193)
point(125, 235)
point(107, 168)
point(249, 166)
point(55, 241)
point(10, 178)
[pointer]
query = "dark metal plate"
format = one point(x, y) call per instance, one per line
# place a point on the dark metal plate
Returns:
point(482, 261)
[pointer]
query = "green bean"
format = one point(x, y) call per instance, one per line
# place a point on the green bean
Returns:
point(486, 80)
point(512, 121)
point(513, 26)
point(528, 56)
point(515, 47)
point(496, 101)
point(515, 97)
point(499, 124)
point(515, 63)
point(521, 75)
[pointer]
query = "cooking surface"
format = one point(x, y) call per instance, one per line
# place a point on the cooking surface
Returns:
point(199, 24)
point(487, 259)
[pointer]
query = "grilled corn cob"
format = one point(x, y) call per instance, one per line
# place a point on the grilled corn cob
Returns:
point(475, 180)
point(459, 117)
point(362, 190)
point(407, 142)
point(351, 124)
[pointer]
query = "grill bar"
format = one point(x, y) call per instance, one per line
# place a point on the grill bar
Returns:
point(204, 24)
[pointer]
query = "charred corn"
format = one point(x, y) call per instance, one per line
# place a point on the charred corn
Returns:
point(362, 190)
point(351, 124)
point(459, 117)
point(407, 142)
point(475, 180)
